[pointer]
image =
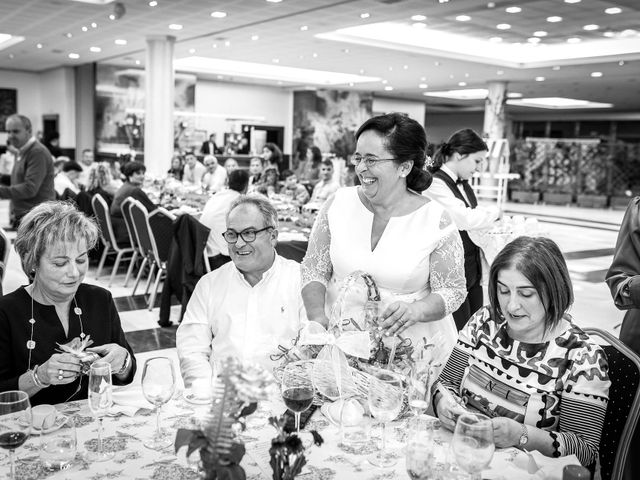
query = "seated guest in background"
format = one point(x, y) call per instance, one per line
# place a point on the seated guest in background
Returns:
point(86, 162)
point(193, 170)
point(255, 173)
point(214, 216)
point(269, 182)
point(309, 169)
point(326, 186)
point(293, 189)
point(177, 169)
point(247, 307)
point(209, 147)
point(134, 174)
point(215, 177)
point(272, 156)
point(67, 179)
point(52, 242)
point(100, 181)
point(58, 163)
point(454, 163)
point(523, 361)
point(230, 164)
point(53, 145)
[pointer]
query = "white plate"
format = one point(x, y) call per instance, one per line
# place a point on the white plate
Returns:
point(190, 397)
point(57, 425)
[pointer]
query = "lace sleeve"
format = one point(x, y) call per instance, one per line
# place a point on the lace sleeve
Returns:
point(447, 267)
point(316, 265)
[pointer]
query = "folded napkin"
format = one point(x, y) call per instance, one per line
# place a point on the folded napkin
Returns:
point(128, 400)
point(550, 468)
point(511, 463)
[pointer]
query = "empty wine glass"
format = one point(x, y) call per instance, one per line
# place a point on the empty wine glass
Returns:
point(472, 443)
point(297, 389)
point(418, 391)
point(100, 400)
point(15, 423)
point(58, 449)
point(385, 403)
point(420, 447)
point(158, 385)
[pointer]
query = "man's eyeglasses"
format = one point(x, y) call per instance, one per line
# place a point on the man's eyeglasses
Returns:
point(369, 160)
point(248, 235)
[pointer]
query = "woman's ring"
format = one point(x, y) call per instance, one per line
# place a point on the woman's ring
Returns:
point(60, 372)
point(59, 377)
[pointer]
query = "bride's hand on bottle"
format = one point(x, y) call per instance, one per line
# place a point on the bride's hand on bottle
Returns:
point(397, 317)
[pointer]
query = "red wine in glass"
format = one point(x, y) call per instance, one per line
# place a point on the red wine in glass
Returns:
point(12, 440)
point(298, 399)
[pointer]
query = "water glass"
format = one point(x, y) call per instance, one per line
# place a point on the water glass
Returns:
point(58, 449)
point(420, 461)
point(100, 400)
point(472, 443)
point(355, 424)
point(158, 384)
point(418, 388)
point(15, 423)
point(385, 403)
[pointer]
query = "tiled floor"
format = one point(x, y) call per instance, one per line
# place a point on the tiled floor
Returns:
point(585, 236)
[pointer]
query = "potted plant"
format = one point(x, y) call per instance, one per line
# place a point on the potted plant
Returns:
point(524, 162)
point(557, 196)
point(593, 176)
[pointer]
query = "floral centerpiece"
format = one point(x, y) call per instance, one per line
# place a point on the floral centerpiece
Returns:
point(287, 451)
point(235, 395)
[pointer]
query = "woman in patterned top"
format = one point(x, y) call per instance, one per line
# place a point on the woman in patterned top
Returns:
point(523, 362)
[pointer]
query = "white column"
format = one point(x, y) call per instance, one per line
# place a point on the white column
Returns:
point(159, 93)
point(495, 119)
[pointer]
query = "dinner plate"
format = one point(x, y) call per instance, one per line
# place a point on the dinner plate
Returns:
point(190, 397)
point(57, 425)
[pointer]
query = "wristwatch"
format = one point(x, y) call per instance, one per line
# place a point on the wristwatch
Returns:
point(524, 436)
point(626, 291)
point(125, 364)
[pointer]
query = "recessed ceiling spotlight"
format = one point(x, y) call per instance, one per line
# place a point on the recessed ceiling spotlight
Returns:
point(613, 11)
point(463, 18)
point(95, 49)
point(437, 63)
point(540, 79)
point(572, 1)
point(574, 40)
point(514, 95)
point(38, 45)
point(609, 34)
point(314, 55)
point(405, 67)
point(513, 9)
point(621, 63)
point(138, 62)
point(384, 82)
point(491, 5)
point(554, 19)
point(218, 14)
point(419, 25)
point(451, 76)
point(215, 45)
point(175, 26)
point(227, 43)
point(255, 37)
point(351, 84)
point(418, 18)
point(304, 28)
point(503, 26)
point(555, 68)
point(112, 17)
point(388, 88)
point(533, 40)
point(462, 84)
point(500, 72)
point(153, 3)
point(219, 77)
point(120, 41)
point(423, 85)
point(596, 74)
point(495, 39)
point(84, 29)
point(192, 50)
point(361, 71)
point(74, 56)
point(12, 56)
point(365, 15)
point(275, 60)
point(591, 27)
point(345, 50)
point(94, 25)
point(68, 34)
point(280, 82)
point(423, 79)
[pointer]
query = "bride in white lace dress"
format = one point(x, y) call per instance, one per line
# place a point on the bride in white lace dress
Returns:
point(384, 227)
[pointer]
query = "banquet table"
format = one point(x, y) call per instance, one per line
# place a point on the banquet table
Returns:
point(124, 435)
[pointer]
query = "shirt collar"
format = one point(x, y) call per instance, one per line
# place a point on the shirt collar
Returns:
point(267, 275)
point(449, 172)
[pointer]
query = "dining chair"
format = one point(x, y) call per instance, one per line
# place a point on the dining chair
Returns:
point(5, 248)
point(623, 408)
point(108, 238)
point(137, 251)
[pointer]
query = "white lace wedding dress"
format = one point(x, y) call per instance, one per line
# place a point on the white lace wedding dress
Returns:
point(418, 254)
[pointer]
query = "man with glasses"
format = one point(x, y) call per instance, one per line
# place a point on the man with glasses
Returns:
point(247, 307)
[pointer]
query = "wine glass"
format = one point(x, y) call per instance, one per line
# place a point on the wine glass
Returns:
point(158, 385)
point(297, 389)
point(385, 403)
point(472, 443)
point(421, 433)
point(418, 391)
point(100, 401)
point(15, 423)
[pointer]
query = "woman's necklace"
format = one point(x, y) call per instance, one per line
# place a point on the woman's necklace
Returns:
point(31, 344)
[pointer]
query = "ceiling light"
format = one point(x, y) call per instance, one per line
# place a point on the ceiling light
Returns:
point(153, 3)
point(590, 27)
point(227, 43)
point(572, 1)
point(304, 28)
point(275, 60)
point(365, 15)
point(423, 85)
point(514, 95)
point(405, 67)
point(345, 50)
point(462, 84)
point(361, 71)
point(466, 94)
point(540, 79)
point(555, 68)
point(419, 25)
point(192, 50)
point(500, 72)
point(533, 40)
point(314, 55)
point(391, 69)
point(621, 63)
point(12, 56)
point(596, 74)
point(513, 9)
point(503, 26)
point(557, 103)
point(68, 34)
point(274, 1)
point(138, 62)
point(268, 71)
point(120, 41)
point(613, 11)
point(215, 45)
point(554, 19)
point(574, 40)
point(175, 26)
point(38, 45)
point(94, 25)
point(491, 5)
point(255, 37)
point(539, 33)
point(112, 17)
point(384, 82)
point(609, 34)
point(218, 14)
point(95, 49)
point(7, 40)
point(495, 39)
point(463, 18)
point(423, 79)
point(418, 18)
point(84, 29)
point(95, 2)
point(388, 88)
point(351, 84)
point(74, 56)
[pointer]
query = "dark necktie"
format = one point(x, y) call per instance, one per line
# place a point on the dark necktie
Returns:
point(459, 181)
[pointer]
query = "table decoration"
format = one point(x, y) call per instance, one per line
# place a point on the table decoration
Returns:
point(287, 451)
point(235, 394)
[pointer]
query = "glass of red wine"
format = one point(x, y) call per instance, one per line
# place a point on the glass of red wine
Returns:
point(297, 389)
point(15, 423)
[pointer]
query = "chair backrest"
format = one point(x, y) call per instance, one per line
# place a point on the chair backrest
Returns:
point(623, 408)
point(5, 248)
point(101, 211)
point(128, 221)
point(161, 223)
point(140, 217)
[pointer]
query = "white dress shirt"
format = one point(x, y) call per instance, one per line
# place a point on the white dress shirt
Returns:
point(214, 216)
point(61, 182)
point(215, 181)
point(466, 218)
point(193, 176)
point(226, 317)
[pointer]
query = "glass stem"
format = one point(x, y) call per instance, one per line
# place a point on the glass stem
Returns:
point(297, 415)
point(158, 421)
point(12, 467)
point(100, 435)
point(384, 438)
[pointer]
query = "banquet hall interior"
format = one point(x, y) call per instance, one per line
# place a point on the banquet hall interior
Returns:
point(553, 84)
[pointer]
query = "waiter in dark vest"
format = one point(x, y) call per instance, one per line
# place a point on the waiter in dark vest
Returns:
point(454, 163)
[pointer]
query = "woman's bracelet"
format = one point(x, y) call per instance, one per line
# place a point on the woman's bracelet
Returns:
point(125, 364)
point(36, 379)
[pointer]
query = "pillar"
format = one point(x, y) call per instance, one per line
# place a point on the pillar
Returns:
point(159, 96)
point(495, 119)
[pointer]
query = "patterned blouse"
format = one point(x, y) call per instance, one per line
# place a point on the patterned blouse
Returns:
point(561, 385)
